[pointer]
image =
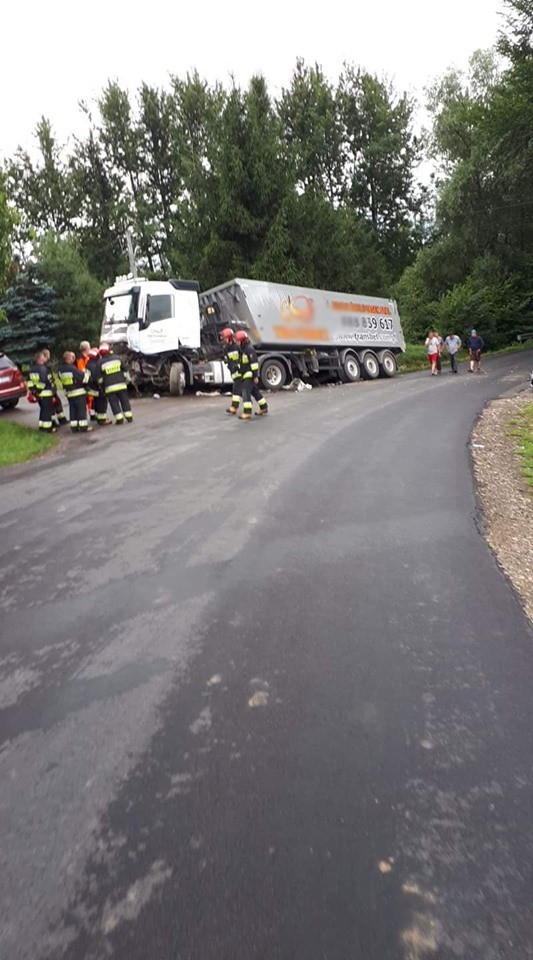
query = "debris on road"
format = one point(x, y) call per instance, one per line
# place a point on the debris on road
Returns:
point(297, 386)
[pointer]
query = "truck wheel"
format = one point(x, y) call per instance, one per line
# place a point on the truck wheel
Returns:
point(9, 404)
point(370, 364)
point(177, 380)
point(273, 375)
point(351, 369)
point(387, 362)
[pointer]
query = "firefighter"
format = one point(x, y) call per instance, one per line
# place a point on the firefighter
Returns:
point(41, 390)
point(249, 368)
point(96, 390)
point(231, 358)
point(73, 382)
point(58, 415)
point(112, 379)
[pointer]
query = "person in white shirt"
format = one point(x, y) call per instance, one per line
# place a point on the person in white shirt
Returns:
point(432, 346)
point(453, 344)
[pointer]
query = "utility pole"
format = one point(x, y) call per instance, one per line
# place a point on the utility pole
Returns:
point(131, 255)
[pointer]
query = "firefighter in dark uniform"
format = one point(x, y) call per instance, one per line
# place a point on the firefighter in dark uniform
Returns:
point(40, 388)
point(231, 359)
point(96, 390)
point(58, 414)
point(112, 379)
point(249, 368)
point(73, 382)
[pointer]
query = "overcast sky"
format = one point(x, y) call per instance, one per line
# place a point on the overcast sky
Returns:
point(56, 52)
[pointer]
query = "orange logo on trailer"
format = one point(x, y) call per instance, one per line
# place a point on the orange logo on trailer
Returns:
point(300, 309)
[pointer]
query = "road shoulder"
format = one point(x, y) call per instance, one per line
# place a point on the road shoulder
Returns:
point(506, 500)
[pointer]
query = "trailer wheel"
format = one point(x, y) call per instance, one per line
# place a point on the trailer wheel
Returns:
point(370, 364)
point(351, 368)
point(177, 380)
point(273, 374)
point(387, 362)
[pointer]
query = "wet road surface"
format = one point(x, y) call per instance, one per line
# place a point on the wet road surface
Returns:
point(264, 692)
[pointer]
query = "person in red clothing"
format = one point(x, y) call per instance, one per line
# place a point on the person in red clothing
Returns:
point(432, 347)
point(85, 355)
point(81, 363)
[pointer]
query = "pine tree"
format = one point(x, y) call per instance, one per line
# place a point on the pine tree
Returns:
point(31, 321)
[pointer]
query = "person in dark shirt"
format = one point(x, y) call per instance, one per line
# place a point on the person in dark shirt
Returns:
point(74, 382)
point(96, 390)
point(476, 345)
point(110, 376)
point(231, 359)
point(58, 416)
point(249, 370)
point(40, 388)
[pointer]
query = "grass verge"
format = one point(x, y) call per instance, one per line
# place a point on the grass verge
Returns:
point(521, 428)
point(22, 443)
point(415, 356)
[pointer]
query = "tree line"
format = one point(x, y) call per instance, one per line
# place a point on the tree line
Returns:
point(319, 187)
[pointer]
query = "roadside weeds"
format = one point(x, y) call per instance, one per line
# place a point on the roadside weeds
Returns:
point(521, 428)
point(20, 443)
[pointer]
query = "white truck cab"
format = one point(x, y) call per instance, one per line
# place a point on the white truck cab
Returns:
point(152, 316)
point(156, 326)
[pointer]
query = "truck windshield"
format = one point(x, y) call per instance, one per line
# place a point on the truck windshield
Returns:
point(119, 309)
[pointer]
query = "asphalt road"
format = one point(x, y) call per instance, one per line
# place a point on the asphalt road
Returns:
point(265, 692)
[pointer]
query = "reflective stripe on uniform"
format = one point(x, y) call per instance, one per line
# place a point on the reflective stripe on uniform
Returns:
point(40, 389)
point(80, 392)
point(115, 387)
point(111, 366)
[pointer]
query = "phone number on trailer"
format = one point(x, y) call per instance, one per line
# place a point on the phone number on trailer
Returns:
point(368, 323)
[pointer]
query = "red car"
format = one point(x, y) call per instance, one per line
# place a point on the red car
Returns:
point(12, 386)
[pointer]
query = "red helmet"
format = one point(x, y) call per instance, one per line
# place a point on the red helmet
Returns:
point(241, 336)
point(226, 334)
point(104, 348)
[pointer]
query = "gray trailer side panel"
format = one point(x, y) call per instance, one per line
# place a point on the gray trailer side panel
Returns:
point(298, 317)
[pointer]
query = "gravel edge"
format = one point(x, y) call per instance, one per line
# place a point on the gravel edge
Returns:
point(506, 500)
